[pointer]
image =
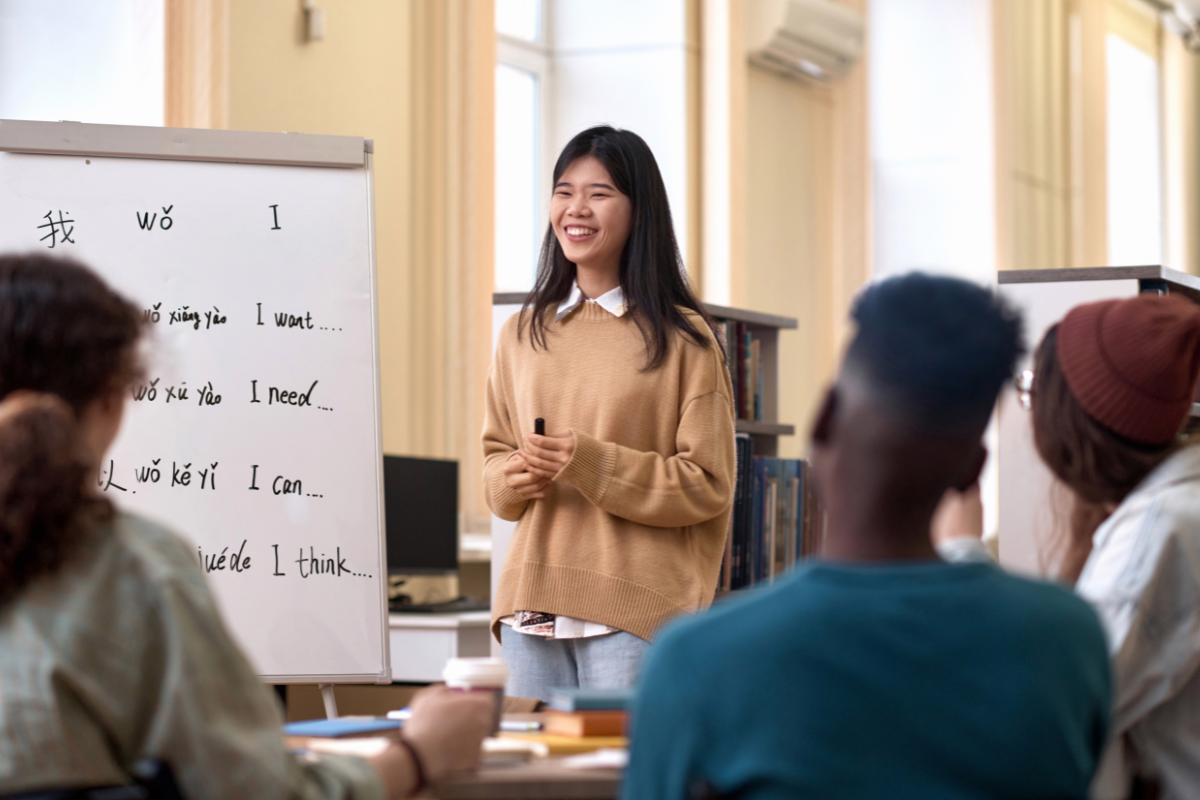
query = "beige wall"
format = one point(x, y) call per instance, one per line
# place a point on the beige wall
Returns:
point(415, 76)
point(807, 221)
point(358, 83)
point(789, 229)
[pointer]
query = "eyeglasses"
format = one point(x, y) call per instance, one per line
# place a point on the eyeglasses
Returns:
point(1025, 389)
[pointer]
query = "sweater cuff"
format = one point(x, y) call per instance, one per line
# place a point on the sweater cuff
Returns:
point(591, 466)
point(506, 500)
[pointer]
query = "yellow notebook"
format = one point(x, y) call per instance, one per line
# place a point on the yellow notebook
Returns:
point(569, 745)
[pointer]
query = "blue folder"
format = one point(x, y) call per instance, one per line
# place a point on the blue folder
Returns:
point(333, 728)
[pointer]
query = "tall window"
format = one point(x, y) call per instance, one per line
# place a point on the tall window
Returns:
point(522, 89)
point(1135, 220)
point(82, 60)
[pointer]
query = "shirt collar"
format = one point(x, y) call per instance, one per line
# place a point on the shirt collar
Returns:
point(612, 301)
point(1183, 465)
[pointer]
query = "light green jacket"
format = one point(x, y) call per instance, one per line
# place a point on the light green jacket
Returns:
point(122, 655)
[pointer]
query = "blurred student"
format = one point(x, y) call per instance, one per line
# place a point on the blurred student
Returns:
point(622, 507)
point(1112, 388)
point(111, 646)
point(880, 670)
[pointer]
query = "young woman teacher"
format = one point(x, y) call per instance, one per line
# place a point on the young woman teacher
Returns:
point(1113, 385)
point(623, 505)
point(111, 646)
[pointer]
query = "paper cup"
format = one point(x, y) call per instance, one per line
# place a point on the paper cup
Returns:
point(479, 675)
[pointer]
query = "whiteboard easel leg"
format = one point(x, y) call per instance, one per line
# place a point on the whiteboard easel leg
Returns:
point(330, 700)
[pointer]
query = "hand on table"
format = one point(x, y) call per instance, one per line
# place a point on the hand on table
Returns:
point(446, 731)
point(545, 456)
point(522, 481)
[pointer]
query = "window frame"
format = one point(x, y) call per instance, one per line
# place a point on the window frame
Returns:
point(537, 58)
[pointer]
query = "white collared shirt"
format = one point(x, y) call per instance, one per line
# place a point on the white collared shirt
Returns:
point(1143, 578)
point(612, 301)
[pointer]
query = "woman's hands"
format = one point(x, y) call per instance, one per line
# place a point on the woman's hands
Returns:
point(530, 470)
point(522, 481)
point(545, 456)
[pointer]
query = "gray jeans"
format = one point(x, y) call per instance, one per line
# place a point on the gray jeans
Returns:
point(537, 664)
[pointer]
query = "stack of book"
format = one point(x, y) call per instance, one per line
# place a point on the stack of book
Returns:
point(581, 721)
point(587, 712)
point(585, 723)
point(743, 356)
point(776, 518)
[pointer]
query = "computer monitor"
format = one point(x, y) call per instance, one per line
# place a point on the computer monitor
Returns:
point(421, 503)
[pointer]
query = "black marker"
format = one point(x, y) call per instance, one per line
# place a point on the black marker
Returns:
point(539, 426)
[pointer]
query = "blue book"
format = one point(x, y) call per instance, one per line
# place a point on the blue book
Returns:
point(590, 699)
point(758, 546)
point(335, 728)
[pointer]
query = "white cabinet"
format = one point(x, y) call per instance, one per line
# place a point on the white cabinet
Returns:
point(423, 643)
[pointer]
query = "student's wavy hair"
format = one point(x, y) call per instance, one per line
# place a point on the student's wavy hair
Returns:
point(652, 274)
point(65, 335)
point(1100, 467)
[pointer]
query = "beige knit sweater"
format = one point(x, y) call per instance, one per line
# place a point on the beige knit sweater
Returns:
point(633, 528)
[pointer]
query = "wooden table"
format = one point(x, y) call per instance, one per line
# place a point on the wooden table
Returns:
point(540, 779)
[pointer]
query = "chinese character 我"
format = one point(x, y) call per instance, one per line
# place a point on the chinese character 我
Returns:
point(57, 228)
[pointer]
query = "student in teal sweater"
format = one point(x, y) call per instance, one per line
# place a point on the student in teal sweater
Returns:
point(879, 670)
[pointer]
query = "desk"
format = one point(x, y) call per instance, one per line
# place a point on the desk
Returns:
point(540, 779)
point(421, 644)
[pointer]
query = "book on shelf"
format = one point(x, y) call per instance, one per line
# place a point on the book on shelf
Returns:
point(776, 520)
point(741, 504)
point(585, 723)
point(743, 356)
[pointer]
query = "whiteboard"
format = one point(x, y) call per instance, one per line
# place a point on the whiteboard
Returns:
point(256, 434)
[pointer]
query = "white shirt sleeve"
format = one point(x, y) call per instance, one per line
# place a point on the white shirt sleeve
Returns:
point(1143, 578)
point(964, 550)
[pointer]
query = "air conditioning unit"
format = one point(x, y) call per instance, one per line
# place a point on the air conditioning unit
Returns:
point(1183, 20)
point(814, 38)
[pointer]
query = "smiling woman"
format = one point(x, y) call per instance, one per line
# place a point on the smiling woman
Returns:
point(622, 509)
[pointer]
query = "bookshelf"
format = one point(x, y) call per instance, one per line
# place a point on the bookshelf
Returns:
point(763, 328)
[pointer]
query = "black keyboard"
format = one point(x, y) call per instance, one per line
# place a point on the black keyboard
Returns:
point(456, 606)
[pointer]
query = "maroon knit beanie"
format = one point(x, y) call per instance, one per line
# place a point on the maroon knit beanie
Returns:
point(1132, 364)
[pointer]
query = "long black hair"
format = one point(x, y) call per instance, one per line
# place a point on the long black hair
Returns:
point(652, 274)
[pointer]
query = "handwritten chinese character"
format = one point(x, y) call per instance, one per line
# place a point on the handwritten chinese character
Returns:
point(57, 229)
point(106, 485)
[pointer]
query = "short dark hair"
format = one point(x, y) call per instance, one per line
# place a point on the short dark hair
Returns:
point(939, 349)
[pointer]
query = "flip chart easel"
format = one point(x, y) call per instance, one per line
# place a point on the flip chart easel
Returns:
point(256, 434)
